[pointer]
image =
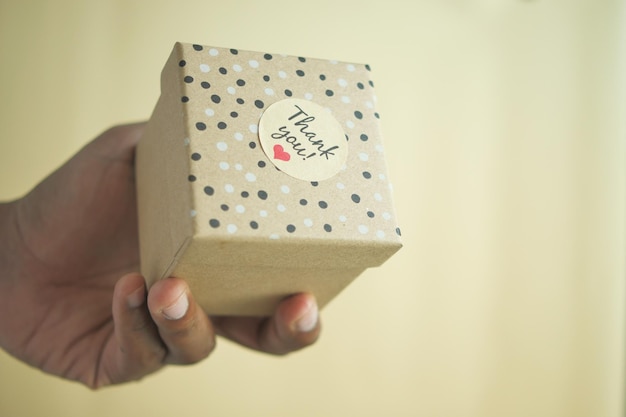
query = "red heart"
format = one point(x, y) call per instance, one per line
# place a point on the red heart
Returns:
point(279, 153)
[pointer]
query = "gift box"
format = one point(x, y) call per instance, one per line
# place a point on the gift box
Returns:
point(262, 175)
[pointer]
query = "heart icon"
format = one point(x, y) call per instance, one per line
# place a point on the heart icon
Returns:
point(279, 153)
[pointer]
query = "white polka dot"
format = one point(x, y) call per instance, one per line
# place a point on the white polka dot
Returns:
point(229, 188)
point(379, 148)
point(284, 189)
point(250, 177)
point(209, 112)
point(333, 61)
point(364, 157)
point(186, 141)
point(205, 68)
point(238, 136)
point(350, 67)
point(308, 222)
point(386, 216)
point(342, 82)
point(363, 229)
point(345, 99)
point(222, 146)
point(237, 68)
point(340, 186)
point(231, 90)
point(274, 236)
point(213, 52)
point(282, 74)
point(231, 228)
point(378, 197)
point(381, 176)
point(350, 124)
point(253, 128)
point(240, 209)
point(193, 213)
point(380, 234)
point(343, 219)
point(281, 208)
point(263, 213)
point(253, 63)
point(369, 105)
point(238, 167)
point(224, 166)
point(308, 96)
point(269, 91)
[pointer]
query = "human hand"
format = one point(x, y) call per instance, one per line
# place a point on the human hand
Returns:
point(71, 302)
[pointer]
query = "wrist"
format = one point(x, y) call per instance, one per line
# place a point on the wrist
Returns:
point(8, 243)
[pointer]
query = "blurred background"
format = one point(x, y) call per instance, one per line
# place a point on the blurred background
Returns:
point(505, 135)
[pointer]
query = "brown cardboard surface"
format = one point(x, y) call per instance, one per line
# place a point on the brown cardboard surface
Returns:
point(216, 211)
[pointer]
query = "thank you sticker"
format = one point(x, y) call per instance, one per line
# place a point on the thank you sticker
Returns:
point(303, 139)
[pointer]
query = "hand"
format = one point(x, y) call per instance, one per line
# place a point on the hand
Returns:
point(70, 301)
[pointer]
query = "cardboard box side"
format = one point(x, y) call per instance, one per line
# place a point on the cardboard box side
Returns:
point(163, 195)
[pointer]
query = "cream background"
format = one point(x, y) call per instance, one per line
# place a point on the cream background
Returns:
point(504, 126)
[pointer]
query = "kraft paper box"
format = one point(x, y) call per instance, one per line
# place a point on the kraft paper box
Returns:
point(262, 175)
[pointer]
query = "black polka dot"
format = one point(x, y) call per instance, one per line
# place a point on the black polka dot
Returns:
point(240, 101)
point(356, 198)
point(360, 86)
point(314, 183)
point(234, 51)
point(252, 145)
point(234, 114)
point(322, 77)
point(358, 114)
point(214, 223)
point(364, 137)
point(370, 214)
point(398, 232)
point(288, 93)
point(215, 99)
point(291, 228)
point(371, 83)
point(267, 56)
point(224, 207)
point(347, 138)
point(208, 190)
point(196, 156)
point(221, 125)
point(266, 78)
point(188, 79)
point(376, 115)
point(262, 195)
point(330, 93)
point(245, 194)
point(303, 202)
point(367, 67)
point(197, 47)
point(301, 59)
point(323, 204)
point(261, 164)
point(200, 126)
point(241, 82)
point(254, 225)
point(300, 73)
point(259, 104)
point(328, 228)
point(205, 85)
point(184, 99)
point(367, 175)
point(182, 63)
point(223, 71)
point(191, 178)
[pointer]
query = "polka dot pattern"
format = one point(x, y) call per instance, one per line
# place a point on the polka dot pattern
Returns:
point(237, 190)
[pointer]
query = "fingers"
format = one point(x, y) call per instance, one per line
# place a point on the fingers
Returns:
point(183, 326)
point(294, 325)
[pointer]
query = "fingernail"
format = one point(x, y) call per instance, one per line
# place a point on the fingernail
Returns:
point(136, 298)
point(178, 309)
point(308, 321)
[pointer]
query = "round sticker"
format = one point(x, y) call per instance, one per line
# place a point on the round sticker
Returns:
point(303, 139)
